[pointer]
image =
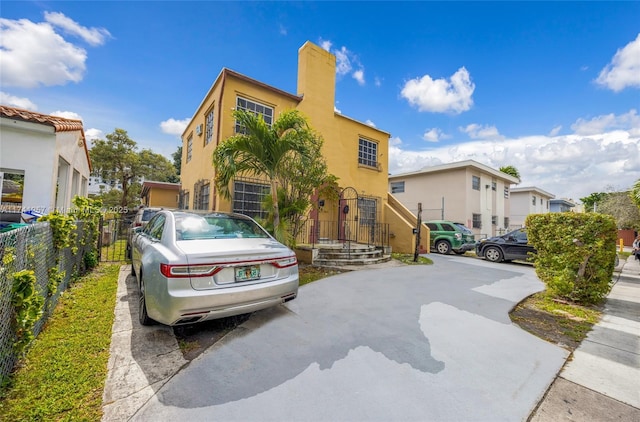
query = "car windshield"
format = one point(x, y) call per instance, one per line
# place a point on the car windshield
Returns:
point(216, 226)
point(463, 228)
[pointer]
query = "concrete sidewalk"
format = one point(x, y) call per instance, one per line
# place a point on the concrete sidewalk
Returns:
point(601, 380)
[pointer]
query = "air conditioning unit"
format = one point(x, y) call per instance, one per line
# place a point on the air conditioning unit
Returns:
point(199, 129)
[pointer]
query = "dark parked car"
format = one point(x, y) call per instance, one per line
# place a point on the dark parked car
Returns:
point(194, 267)
point(513, 245)
point(447, 236)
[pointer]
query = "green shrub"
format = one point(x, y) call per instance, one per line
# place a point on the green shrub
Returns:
point(27, 305)
point(575, 253)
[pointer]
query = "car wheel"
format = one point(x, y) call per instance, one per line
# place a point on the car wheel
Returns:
point(142, 306)
point(493, 254)
point(443, 247)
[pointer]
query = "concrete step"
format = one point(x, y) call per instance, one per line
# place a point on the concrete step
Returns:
point(347, 262)
point(349, 254)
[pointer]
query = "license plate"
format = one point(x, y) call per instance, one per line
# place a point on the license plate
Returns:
point(248, 273)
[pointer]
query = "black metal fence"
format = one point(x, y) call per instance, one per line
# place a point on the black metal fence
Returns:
point(317, 232)
point(114, 239)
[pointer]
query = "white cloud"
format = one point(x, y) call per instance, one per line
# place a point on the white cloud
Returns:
point(624, 69)
point(441, 95)
point(92, 36)
point(629, 121)
point(377, 81)
point(433, 135)
point(34, 54)
point(555, 130)
point(346, 61)
point(67, 115)
point(476, 131)
point(174, 127)
point(370, 123)
point(358, 75)
point(13, 101)
point(343, 61)
point(92, 134)
point(574, 165)
point(282, 30)
point(325, 44)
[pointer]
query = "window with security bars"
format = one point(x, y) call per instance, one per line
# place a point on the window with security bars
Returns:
point(208, 136)
point(494, 220)
point(248, 197)
point(256, 108)
point(189, 147)
point(367, 209)
point(506, 222)
point(477, 221)
point(201, 201)
point(367, 153)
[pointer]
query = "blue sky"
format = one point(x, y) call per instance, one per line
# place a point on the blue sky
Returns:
point(550, 88)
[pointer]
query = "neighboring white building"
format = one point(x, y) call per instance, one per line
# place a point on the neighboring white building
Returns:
point(98, 186)
point(44, 162)
point(465, 192)
point(528, 200)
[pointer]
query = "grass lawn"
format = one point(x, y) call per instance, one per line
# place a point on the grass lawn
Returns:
point(62, 375)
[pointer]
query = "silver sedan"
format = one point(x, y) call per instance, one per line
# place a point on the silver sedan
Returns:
point(194, 267)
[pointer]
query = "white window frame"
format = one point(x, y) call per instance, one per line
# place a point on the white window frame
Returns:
point(259, 109)
point(367, 153)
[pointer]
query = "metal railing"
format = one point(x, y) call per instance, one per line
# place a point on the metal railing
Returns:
point(313, 233)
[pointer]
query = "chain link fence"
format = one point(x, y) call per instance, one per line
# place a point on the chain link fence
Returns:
point(31, 248)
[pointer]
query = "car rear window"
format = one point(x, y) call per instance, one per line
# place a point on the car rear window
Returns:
point(193, 227)
point(148, 214)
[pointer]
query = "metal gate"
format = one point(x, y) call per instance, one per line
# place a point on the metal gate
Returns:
point(357, 218)
point(114, 239)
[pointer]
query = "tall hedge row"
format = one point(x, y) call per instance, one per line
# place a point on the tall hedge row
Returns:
point(575, 253)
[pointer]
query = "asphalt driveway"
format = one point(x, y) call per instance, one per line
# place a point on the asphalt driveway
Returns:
point(406, 343)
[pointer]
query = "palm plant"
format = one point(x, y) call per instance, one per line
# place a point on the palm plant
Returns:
point(260, 150)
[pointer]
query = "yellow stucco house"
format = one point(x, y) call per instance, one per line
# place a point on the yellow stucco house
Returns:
point(160, 194)
point(355, 152)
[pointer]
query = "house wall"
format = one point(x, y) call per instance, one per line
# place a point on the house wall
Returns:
point(159, 197)
point(453, 187)
point(340, 134)
point(223, 102)
point(69, 147)
point(18, 142)
point(522, 206)
point(41, 170)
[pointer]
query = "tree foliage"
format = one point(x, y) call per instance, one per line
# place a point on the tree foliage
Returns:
point(635, 193)
point(298, 181)
point(591, 202)
point(575, 253)
point(620, 206)
point(177, 159)
point(118, 160)
point(511, 171)
point(262, 150)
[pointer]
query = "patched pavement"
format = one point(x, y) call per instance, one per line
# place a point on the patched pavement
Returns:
point(426, 342)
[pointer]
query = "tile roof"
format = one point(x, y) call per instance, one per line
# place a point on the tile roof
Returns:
point(61, 124)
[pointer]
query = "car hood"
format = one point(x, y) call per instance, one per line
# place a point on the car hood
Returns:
point(232, 250)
